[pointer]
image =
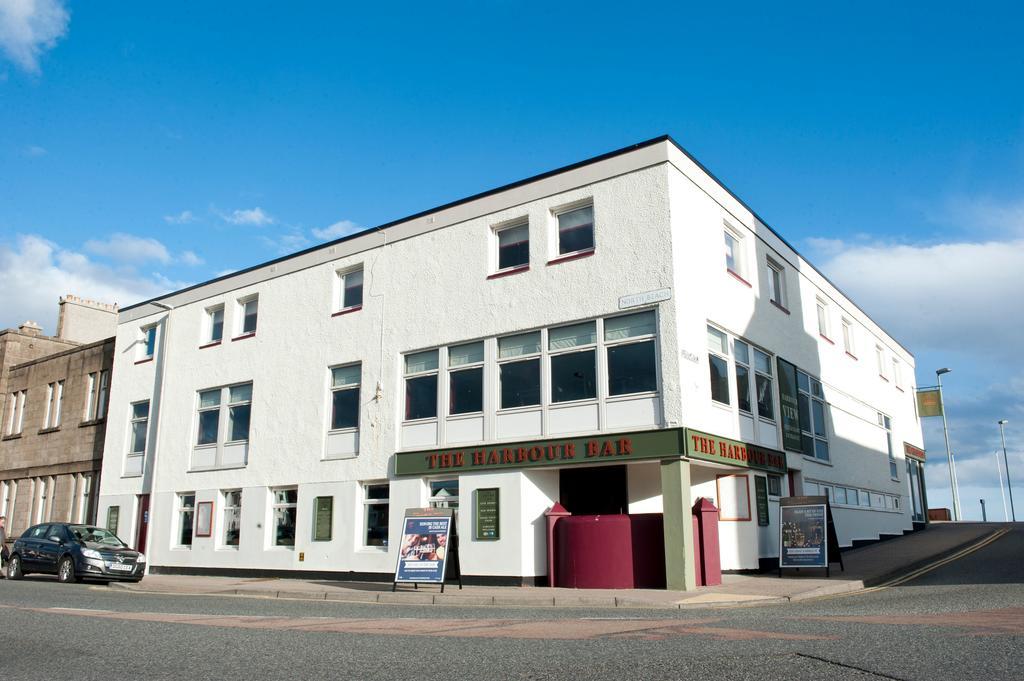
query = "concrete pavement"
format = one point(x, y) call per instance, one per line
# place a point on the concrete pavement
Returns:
point(865, 567)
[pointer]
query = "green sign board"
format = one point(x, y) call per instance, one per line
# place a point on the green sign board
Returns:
point(323, 516)
point(708, 447)
point(929, 402)
point(761, 499)
point(789, 406)
point(618, 448)
point(487, 514)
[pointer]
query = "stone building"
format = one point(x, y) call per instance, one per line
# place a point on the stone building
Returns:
point(53, 401)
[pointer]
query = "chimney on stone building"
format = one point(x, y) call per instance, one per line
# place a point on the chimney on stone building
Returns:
point(85, 321)
point(30, 328)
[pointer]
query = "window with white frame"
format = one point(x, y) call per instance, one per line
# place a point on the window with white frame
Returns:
point(631, 355)
point(764, 385)
point(84, 498)
point(897, 378)
point(232, 518)
point(376, 507)
point(285, 511)
point(139, 428)
point(444, 493)
point(5, 498)
point(848, 343)
point(760, 380)
point(43, 488)
point(248, 315)
point(814, 433)
point(823, 327)
point(576, 230)
point(718, 359)
point(519, 370)
point(573, 361)
point(54, 404)
point(147, 347)
point(741, 354)
point(513, 243)
point(776, 281)
point(466, 378)
point(421, 385)
point(886, 423)
point(223, 416)
point(880, 360)
point(775, 485)
point(345, 381)
point(97, 388)
point(350, 289)
point(186, 518)
point(214, 324)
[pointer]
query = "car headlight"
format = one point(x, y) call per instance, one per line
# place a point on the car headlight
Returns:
point(92, 553)
point(141, 558)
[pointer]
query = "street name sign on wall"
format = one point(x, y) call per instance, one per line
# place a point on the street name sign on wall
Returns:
point(638, 299)
point(789, 406)
point(423, 551)
point(700, 445)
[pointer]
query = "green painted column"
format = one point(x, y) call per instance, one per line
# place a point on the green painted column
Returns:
point(680, 564)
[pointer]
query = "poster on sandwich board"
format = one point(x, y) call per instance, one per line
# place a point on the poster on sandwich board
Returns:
point(424, 549)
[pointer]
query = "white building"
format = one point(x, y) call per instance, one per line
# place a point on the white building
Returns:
point(303, 404)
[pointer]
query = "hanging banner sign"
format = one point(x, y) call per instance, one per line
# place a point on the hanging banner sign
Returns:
point(424, 548)
point(789, 406)
point(803, 536)
point(929, 402)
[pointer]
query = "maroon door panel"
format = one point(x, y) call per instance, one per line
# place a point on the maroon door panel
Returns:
point(142, 523)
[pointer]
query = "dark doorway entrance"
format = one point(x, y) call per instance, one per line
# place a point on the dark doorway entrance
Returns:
point(600, 490)
point(142, 523)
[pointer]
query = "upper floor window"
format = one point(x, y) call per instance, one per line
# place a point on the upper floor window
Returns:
point(886, 423)
point(880, 360)
point(776, 283)
point(54, 403)
point(345, 396)
point(823, 327)
point(97, 388)
point(248, 312)
point(139, 428)
point(897, 379)
point(224, 414)
point(421, 385)
point(848, 338)
point(812, 417)
point(519, 370)
point(574, 367)
point(215, 324)
point(513, 245)
point(734, 261)
point(466, 378)
point(718, 358)
point(758, 379)
point(350, 289)
point(148, 347)
point(632, 363)
point(576, 230)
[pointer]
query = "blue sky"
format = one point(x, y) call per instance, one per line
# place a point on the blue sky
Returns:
point(143, 148)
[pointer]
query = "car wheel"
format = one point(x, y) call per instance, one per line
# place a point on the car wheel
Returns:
point(14, 567)
point(66, 571)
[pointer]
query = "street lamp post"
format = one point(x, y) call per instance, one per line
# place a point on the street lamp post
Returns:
point(949, 453)
point(1002, 492)
point(1006, 464)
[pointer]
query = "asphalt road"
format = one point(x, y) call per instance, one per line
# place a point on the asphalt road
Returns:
point(964, 620)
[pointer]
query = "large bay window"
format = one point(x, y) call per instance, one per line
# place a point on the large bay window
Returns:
point(573, 362)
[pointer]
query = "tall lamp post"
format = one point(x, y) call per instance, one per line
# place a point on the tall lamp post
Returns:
point(949, 453)
point(1006, 465)
point(1002, 492)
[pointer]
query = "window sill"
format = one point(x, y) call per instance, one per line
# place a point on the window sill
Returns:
point(573, 403)
point(780, 306)
point(181, 548)
point(93, 422)
point(143, 361)
point(415, 422)
point(883, 378)
point(824, 337)
point(738, 278)
point(133, 475)
point(851, 356)
point(217, 468)
point(342, 431)
point(348, 310)
point(47, 431)
point(372, 549)
point(464, 416)
point(900, 389)
point(572, 256)
point(211, 344)
point(510, 271)
point(243, 336)
point(524, 409)
point(816, 460)
point(625, 397)
point(12, 436)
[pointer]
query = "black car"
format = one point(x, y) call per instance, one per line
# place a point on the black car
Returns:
point(73, 552)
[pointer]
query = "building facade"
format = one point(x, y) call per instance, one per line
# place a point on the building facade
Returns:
point(52, 424)
point(619, 336)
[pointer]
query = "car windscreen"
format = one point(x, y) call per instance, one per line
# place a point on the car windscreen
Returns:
point(95, 537)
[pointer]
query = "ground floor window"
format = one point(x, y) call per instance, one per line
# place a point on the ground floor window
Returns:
point(376, 505)
point(186, 517)
point(232, 517)
point(444, 493)
point(285, 511)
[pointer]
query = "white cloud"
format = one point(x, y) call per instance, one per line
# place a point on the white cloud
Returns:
point(287, 243)
point(190, 258)
point(983, 213)
point(337, 230)
point(182, 218)
point(129, 249)
point(34, 273)
point(248, 216)
point(34, 151)
point(29, 27)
